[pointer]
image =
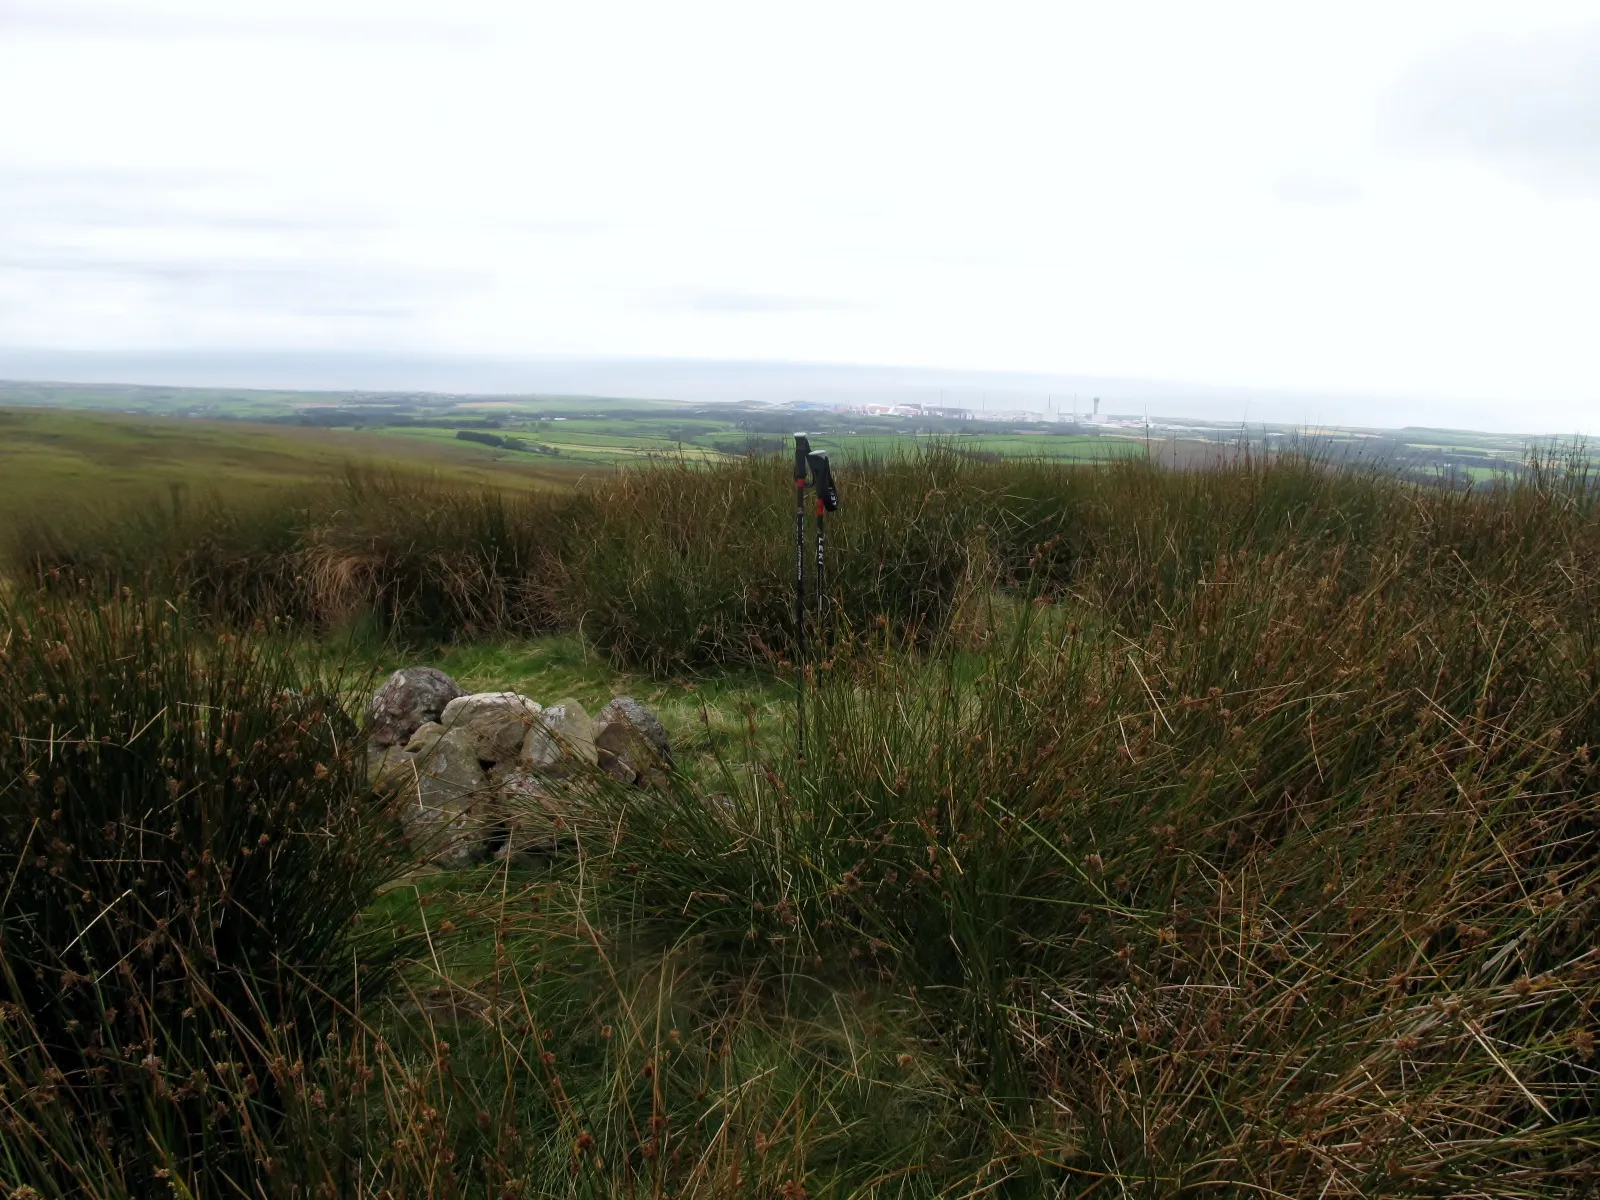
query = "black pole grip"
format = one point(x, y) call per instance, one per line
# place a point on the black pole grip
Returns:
point(822, 479)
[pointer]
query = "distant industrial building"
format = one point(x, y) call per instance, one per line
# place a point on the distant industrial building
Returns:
point(915, 410)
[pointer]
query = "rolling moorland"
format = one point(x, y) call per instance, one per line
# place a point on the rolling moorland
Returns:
point(62, 442)
point(1226, 831)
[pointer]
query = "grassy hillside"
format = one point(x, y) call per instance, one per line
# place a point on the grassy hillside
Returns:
point(605, 430)
point(53, 457)
point(119, 440)
point(1230, 832)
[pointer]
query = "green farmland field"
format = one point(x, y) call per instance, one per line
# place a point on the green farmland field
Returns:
point(72, 445)
point(77, 444)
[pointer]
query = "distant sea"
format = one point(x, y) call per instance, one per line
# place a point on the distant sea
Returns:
point(710, 381)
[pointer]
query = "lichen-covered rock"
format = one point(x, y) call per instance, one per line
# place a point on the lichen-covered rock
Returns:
point(445, 799)
point(424, 738)
point(409, 699)
point(631, 743)
point(448, 807)
point(531, 822)
point(560, 740)
point(494, 723)
point(386, 767)
point(493, 773)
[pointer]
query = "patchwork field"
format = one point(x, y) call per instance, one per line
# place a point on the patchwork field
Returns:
point(77, 443)
point(78, 447)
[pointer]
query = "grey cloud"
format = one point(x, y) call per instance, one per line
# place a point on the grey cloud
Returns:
point(51, 196)
point(216, 243)
point(74, 223)
point(116, 198)
point(100, 189)
point(751, 302)
point(1529, 107)
point(79, 18)
point(244, 289)
point(1316, 189)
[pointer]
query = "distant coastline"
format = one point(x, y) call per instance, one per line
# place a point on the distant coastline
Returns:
point(717, 381)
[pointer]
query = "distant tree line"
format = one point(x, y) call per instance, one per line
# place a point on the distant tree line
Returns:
point(503, 441)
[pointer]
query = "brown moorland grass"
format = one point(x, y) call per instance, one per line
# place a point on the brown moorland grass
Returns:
point(1227, 833)
point(55, 459)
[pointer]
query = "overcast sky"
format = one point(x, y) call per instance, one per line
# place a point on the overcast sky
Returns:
point(1390, 199)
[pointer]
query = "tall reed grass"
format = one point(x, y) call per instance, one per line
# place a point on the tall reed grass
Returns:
point(1274, 874)
point(670, 568)
point(1228, 833)
point(186, 846)
point(682, 566)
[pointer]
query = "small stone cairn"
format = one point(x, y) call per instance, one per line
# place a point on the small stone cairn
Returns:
point(495, 773)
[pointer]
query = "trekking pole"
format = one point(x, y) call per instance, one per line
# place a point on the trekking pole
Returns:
point(827, 501)
point(802, 451)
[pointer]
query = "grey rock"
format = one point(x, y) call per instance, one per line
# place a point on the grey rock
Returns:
point(447, 801)
point(618, 768)
point(424, 738)
point(561, 739)
point(631, 743)
point(410, 698)
point(493, 773)
point(388, 767)
point(628, 711)
point(450, 775)
point(523, 787)
point(531, 823)
point(494, 723)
